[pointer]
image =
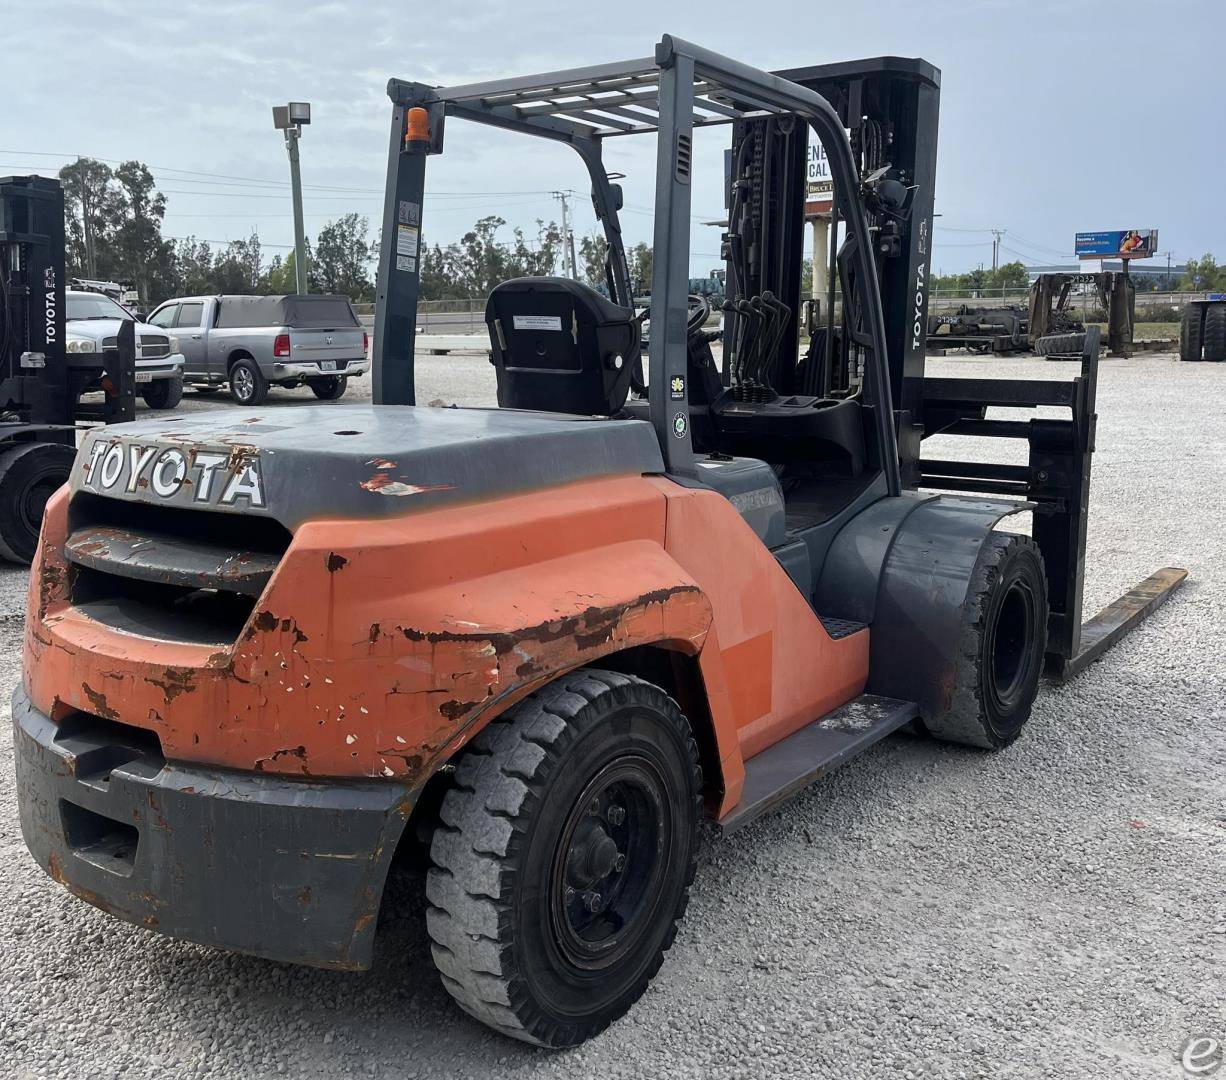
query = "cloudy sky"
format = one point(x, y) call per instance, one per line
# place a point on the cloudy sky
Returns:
point(1056, 115)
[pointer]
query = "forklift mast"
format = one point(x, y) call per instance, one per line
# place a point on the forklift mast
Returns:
point(40, 381)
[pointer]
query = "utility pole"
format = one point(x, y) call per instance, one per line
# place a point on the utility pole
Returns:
point(290, 119)
point(568, 236)
point(1168, 271)
point(996, 238)
point(87, 232)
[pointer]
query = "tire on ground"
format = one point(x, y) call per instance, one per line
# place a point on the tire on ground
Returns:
point(529, 837)
point(329, 387)
point(1215, 332)
point(247, 383)
point(1000, 646)
point(1191, 326)
point(30, 473)
point(1060, 344)
point(163, 393)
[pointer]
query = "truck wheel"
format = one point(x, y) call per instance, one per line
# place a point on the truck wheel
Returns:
point(163, 393)
point(1000, 647)
point(563, 857)
point(1191, 325)
point(30, 474)
point(247, 383)
point(1215, 332)
point(329, 388)
point(1060, 345)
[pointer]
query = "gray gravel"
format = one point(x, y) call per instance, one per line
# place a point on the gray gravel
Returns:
point(1056, 910)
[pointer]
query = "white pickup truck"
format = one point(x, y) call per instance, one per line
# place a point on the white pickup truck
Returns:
point(93, 323)
point(254, 342)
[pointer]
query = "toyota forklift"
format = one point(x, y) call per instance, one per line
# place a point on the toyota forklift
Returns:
point(264, 654)
point(41, 380)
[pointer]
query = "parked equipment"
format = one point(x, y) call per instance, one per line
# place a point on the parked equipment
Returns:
point(1202, 329)
point(548, 638)
point(41, 377)
point(980, 329)
point(1055, 330)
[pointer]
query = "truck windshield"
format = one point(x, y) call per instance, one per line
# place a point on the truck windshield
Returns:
point(92, 306)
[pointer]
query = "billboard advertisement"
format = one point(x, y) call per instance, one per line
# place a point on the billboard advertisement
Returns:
point(1117, 244)
point(819, 186)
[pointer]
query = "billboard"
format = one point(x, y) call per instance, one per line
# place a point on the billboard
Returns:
point(819, 183)
point(1117, 244)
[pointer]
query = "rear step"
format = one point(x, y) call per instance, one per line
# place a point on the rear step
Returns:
point(782, 770)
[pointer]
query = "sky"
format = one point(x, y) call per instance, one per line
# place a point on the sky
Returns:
point(1056, 117)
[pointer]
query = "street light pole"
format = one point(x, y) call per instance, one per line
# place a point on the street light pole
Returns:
point(290, 119)
point(295, 176)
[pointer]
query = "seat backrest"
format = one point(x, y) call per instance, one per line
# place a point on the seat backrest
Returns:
point(560, 346)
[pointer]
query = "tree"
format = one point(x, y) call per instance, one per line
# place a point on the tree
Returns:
point(91, 208)
point(1203, 275)
point(640, 259)
point(237, 270)
point(136, 250)
point(193, 267)
point(342, 258)
point(591, 257)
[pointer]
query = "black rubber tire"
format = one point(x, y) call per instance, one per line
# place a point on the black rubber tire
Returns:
point(1215, 332)
point(30, 474)
point(1191, 333)
point(504, 939)
point(1060, 345)
point(1000, 646)
point(247, 383)
point(163, 393)
point(328, 388)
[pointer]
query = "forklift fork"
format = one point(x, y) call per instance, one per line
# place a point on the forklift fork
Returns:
point(1056, 480)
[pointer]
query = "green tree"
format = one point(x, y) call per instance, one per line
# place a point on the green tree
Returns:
point(342, 258)
point(193, 267)
point(1212, 277)
point(237, 271)
point(592, 250)
point(639, 258)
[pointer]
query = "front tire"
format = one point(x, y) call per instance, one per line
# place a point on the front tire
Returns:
point(1001, 646)
point(247, 383)
point(563, 857)
point(163, 393)
point(30, 474)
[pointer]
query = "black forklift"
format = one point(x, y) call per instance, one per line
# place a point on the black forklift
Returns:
point(42, 379)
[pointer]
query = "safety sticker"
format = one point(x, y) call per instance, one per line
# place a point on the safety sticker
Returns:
point(537, 322)
point(680, 425)
point(676, 388)
point(406, 240)
point(404, 262)
point(409, 213)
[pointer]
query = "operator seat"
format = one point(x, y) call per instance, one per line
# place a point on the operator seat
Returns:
point(560, 346)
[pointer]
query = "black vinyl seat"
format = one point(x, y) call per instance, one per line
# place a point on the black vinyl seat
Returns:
point(560, 346)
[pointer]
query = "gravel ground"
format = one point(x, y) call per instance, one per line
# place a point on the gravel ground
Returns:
point(1056, 910)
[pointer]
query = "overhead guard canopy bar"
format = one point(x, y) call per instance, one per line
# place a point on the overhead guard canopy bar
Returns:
point(683, 86)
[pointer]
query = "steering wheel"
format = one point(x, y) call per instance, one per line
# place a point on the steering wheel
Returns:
point(698, 313)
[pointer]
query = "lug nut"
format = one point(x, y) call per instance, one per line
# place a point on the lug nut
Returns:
point(591, 901)
point(594, 807)
point(619, 864)
point(617, 814)
point(569, 894)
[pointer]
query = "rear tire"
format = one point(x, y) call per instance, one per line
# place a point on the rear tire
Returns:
point(1215, 332)
point(1191, 333)
point(1060, 345)
point(563, 857)
point(247, 383)
point(163, 393)
point(29, 475)
point(1000, 647)
point(328, 388)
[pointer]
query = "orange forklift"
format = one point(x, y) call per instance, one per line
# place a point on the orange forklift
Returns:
point(265, 653)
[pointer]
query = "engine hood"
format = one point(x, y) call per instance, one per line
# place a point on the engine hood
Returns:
point(98, 330)
point(301, 464)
